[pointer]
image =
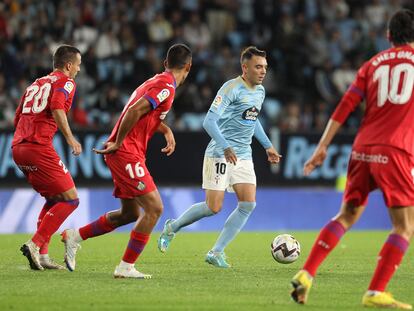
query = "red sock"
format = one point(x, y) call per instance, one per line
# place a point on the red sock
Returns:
point(324, 244)
point(48, 205)
point(98, 227)
point(135, 246)
point(53, 219)
point(389, 259)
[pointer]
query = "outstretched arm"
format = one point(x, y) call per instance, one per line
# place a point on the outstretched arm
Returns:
point(211, 127)
point(131, 117)
point(272, 155)
point(319, 154)
point(62, 122)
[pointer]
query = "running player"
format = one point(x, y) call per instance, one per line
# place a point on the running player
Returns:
point(125, 156)
point(231, 122)
point(41, 112)
point(382, 157)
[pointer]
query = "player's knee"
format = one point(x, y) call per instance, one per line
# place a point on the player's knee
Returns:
point(215, 207)
point(349, 215)
point(246, 207)
point(156, 210)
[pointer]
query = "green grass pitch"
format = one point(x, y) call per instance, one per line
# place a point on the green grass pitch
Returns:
point(183, 281)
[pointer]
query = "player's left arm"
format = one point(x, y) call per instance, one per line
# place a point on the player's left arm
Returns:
point(169, 138)
point(272, 155)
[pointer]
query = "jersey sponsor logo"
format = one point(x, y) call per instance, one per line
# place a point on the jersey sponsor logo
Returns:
point(217, 101)
point(163, 95)
point(141, 186)
point(373, 158)
point(250, 114)
point(163, 114)
point(68, 86)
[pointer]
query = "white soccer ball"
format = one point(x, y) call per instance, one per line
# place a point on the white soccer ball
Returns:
point(285, 248)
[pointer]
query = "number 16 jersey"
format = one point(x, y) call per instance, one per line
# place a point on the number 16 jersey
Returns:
point(34, 121)
point(386, 82)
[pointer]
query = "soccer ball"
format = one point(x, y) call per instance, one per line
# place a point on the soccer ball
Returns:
point(285, 248)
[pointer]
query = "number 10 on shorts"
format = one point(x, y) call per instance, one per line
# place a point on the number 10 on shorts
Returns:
point(137, 171)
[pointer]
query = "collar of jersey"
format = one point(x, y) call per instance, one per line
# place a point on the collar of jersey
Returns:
point(247, 86)
point(175, 83)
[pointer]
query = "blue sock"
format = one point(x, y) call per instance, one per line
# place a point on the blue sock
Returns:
point(194, 213)
point(234, 223)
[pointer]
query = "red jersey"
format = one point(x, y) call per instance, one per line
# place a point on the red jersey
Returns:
point(34, 121)
point(159, 91)
point(386, 82)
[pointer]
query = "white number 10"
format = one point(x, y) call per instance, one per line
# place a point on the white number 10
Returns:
point(388, 84)
point(139, 170)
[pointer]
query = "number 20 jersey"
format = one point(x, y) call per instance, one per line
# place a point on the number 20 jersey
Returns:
point(34, 120)
point(386, 82)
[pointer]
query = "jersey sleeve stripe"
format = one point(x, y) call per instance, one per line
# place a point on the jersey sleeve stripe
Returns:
point(64, 92)
point(356, 90)
point(152, 101)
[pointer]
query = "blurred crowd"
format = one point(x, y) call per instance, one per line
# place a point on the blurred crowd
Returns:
point(314, 48)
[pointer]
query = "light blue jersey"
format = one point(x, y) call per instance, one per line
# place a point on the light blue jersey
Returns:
point(238, 106)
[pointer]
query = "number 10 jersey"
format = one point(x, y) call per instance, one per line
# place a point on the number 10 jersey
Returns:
point(386, 82)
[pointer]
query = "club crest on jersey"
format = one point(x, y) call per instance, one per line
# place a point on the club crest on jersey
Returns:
point(217, 101)
point(68, 86)
point(141, 186)
point(250, 114)
point(163, 95)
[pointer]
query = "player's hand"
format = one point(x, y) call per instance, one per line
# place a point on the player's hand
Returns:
point(109, 147)
point(230, 155)
point(272, 155)
point(75, 145)
point(170, 147)
point(315, 160)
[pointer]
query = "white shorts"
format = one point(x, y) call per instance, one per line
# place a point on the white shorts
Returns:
point(220, 175)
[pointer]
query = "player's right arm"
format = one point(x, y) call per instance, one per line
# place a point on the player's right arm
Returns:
point(135, 112)
point(211, 127)
point(62, 122)
point(220, 103)
point(319, 154)
point(348, 103)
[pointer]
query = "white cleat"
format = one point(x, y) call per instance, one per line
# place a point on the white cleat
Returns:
point(71, 247)
point(128, 271)
point(49, 263)
point(31, 251)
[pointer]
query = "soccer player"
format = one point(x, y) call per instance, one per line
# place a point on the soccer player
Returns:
point(382, 157)
point(231, 122)
point(125, 156)
point(41, 112)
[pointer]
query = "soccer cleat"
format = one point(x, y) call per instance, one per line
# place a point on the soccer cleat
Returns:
point(71, 247)
point(31, 251)
point(129, 271)
point(166, 237)
point(383, 300)
point(301, 283)
point(49, 263)
point(217, 259)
